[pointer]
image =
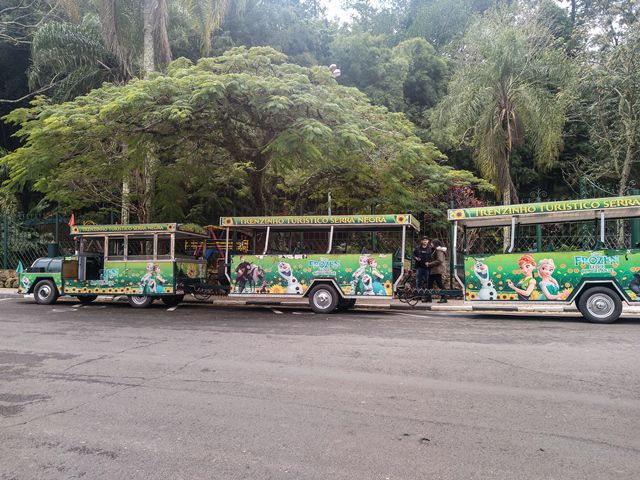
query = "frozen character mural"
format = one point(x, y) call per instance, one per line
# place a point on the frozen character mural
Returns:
point(152, 280)
point(248, 276)
point(549, 285)
point(357, 286)
point(241, 278)
point(26, 283)
point(293, 286)
point(487, 290)
point(159, 279)
point(376, 276)
point(254, 274)
point(367, 284)
point(527, 284)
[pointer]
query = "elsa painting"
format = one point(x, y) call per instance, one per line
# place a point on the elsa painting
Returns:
point(549, 285)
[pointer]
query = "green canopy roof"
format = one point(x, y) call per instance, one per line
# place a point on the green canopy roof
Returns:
point(548, 212)
point(185, 228)
point(308, 221)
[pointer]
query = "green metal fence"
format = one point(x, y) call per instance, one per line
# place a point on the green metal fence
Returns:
point(26, 237)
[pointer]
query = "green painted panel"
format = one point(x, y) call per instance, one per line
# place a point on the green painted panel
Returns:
point(292, 274)
point(29, 279)
point(130, 278)
point(548, 276)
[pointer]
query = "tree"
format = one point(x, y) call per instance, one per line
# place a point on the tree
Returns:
point(294, 27)
point(260, 132)
point(610, 97)
point(410, 77)
point(209, 15)
point(68, 60)
point(19, 20)
point(508, 91)
point(440, 21)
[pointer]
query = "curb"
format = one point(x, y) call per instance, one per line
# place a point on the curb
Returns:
point(10, 295)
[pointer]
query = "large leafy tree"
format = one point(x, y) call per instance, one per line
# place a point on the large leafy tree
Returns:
point(508, 92)
point(610, 96)
point(246, 127)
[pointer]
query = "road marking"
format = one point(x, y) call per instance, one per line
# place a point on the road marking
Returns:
point(3, 299)
point(275, 310)
point(76, 305)
point(171, 309)
point(413, 315)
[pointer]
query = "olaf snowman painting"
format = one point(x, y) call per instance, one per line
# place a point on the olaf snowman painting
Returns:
point(293, 286)
point(487, 290)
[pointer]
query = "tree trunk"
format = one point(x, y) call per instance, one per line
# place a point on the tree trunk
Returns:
point(506, 231)
point(148, 53)
point(124, 213)
point(149, 177)
point(508, 195)
point(148, 65)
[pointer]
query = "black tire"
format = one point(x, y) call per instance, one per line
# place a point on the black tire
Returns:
point(140, 301)
point(172, 300)
point(346, 303)
point(600, 305)
point(323, 299)
point(45, 292)
point(409, 295)
point(86, 299)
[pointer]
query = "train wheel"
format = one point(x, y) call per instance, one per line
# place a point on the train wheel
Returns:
point(45, 292)
point(140, 301)
point(323, 299)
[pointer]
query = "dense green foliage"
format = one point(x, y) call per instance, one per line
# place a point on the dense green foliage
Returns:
point(244, 131)
point(508, 91)
point(525, 94)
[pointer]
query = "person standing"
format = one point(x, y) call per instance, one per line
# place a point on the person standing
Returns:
point(437, 264)
point(422, 255)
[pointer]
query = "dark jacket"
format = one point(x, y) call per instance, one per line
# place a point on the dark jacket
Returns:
point(438, 261)
point(423, 254)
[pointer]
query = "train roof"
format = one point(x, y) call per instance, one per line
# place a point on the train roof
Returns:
point(548, 212)
point(187, 229)
point(360, 222)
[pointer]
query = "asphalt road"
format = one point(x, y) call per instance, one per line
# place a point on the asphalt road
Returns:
point(109, 392)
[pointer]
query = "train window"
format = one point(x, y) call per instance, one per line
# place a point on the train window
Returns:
point(115, 248)
point(139, 248)
point(163, 251)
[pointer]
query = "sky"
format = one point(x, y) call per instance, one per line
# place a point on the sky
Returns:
point(334, 9)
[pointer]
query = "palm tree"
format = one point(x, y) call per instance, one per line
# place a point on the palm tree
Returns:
point(507, 90)
point(156, 52)
point(209, 15)
point(69, 59)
